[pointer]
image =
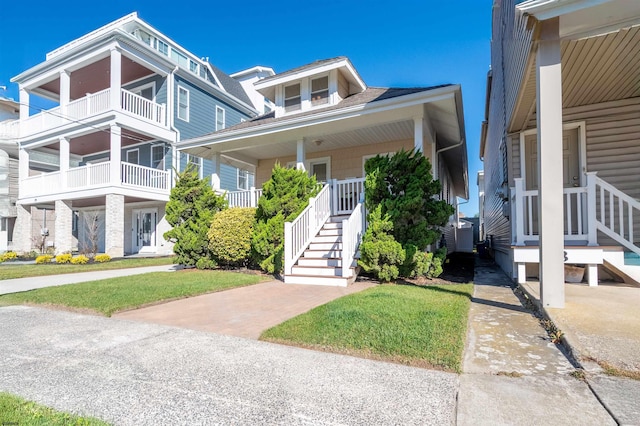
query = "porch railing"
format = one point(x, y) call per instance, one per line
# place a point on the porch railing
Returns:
point(9, 129)
point(598, 206)
point(247, 198)
point(352, 233)
point(93, 104)
point(298, 234)
point(346, 195)
point(90, 175)
point(145, 177)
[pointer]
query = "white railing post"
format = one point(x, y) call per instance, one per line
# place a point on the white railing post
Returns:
point(288, 248)
point(346, 248)
point(334, 196)
point(592, 227)
point(253, 200)
point(513, 217)
point(312, 218)
point(519, 211)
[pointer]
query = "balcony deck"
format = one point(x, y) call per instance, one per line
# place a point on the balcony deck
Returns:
point(138, 180)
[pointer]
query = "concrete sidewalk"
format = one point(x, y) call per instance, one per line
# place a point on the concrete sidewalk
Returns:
point(512, 373)
point(32, 283)
point(131, 373)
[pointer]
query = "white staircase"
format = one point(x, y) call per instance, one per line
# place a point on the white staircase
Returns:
point(624, 265)
point(321, 262)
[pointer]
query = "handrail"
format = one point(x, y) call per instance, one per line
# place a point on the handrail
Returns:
point(352, 233)
point(298, 234)
point(245, 198)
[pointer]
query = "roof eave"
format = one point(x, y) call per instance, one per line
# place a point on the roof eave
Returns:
point(547, 9)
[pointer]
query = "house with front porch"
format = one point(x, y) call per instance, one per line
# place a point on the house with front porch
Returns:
point(560, 140)
point(327, 121)
point(104, 156)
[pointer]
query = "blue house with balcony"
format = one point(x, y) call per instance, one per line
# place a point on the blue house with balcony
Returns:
point(95, 171)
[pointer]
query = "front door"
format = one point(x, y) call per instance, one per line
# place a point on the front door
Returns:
point(570, 172)
point(144, 230)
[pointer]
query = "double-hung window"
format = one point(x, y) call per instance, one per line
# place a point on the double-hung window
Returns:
point(320, 91)
point(183, 104)
point(220, 119)
point(163, 47)
point(292, 98)
point(197, 162)
point(157, 157)
point(243, 179)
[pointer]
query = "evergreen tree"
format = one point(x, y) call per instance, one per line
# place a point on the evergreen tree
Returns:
point(190, 210)
point(284, 197)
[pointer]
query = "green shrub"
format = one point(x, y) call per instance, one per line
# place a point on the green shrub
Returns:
point(9, 255)
point(438, 260)
point(230, 236)
point(64, 258)
point(284, 197)
point(417, 263)
point(80, 260)
point(380, 254)
point(44, 258)
point(102, 258)
point(191, 207)
point(206, 263)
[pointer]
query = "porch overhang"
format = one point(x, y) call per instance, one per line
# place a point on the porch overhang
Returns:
point(363, 124)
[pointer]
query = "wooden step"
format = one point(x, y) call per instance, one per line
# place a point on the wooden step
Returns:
point(325, 246)
point(317, 271)
point(326, 239)
point(320, 261)
point(316, 254)
point(330, 231)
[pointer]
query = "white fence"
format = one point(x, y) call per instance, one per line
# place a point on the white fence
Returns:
point(346, 195)
point(143, 107)
point(298, 234)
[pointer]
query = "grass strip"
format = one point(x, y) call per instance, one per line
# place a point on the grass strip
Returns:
point(9, 270)
point(17, 411)
point(420, 326)
point(122, 293)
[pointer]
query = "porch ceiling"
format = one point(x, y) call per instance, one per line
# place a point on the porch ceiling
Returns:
point(96, 76)
point(594, 70)
point(99, 141)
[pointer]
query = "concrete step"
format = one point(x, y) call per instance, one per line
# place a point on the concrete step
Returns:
point(327, 239)
point(317, 254)
point(330, 231)
point(317, 271)
point(325, 246)
point(322, 261)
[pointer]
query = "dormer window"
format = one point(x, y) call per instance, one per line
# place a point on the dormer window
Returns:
point(320, 91)
point(292, 98)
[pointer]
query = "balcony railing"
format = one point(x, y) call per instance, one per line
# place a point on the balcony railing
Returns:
point(9, 129)
point(95, 176)
point(91, 105)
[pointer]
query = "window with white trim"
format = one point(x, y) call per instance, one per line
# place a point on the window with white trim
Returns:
point(196, 161)
point(133, 156)
point(292, 98)
point(163, 48)
point(220, 118)
point(243, 179)
point(157, 157)
point(183, 103)
point(193, 67)
point(320, 91)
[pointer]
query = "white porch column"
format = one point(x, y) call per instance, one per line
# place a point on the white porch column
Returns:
point(24, 103)
point(300, 155)
point(418, 134)
point(114, 225)
point(215, 176)
point(65, 91)
point(116, 78)
point(116, 154)
point(23, 164)
point(550, 206)
point(64, 160)
point(63, 226)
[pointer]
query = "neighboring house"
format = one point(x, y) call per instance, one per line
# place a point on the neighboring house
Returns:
point(328, 122)
point(104, 157)
point(9, 113)
point(563, 106)
point(480, 182)
point(247, 78)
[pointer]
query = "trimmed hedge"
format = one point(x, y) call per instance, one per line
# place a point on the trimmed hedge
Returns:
point(230, 236)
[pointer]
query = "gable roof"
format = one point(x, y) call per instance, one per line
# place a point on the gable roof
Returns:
point(370, 95)
point(305, 67)
point(231, 85)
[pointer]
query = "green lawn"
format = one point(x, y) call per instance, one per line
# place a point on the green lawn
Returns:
point(9, 270)
point(421, 326)
point(17, 411)
point(117, 294)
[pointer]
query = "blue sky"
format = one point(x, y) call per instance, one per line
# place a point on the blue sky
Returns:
point(392, 44)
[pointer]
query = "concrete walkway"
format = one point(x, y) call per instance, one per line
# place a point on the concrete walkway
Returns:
point(131, 373)
point(242, 312)
point(513, 374)
point(32, 283)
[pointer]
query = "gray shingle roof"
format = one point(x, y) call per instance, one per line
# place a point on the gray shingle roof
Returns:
point(231, 85)
point(370, 95)
point(304, 67)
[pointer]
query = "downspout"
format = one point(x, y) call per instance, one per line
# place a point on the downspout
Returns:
point(437, 159)
point(175, 161)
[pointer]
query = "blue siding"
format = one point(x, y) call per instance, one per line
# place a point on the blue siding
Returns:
point(161, 87)
point(144, 155)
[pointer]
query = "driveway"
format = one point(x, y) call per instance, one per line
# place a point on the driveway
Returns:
point(131, 373)
point(242, 312)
